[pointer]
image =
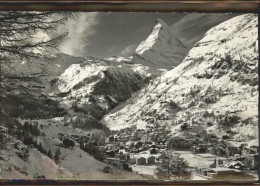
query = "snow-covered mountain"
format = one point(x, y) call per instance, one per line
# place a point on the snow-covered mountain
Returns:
point(96, 87)
point(215, 88)
point(161, 50)
point(26, 85)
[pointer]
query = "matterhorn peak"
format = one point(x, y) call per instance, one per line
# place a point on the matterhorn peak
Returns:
point(161, 49)
point(161, 29)
point(162, 23)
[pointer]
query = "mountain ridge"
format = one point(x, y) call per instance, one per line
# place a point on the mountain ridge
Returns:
point(205, 69)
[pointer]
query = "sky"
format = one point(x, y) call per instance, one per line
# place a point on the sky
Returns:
point(105, 34)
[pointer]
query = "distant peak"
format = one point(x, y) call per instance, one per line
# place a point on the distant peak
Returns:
point(161, 29)
point(161, 22)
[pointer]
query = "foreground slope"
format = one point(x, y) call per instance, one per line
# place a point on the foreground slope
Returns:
point(214, 88)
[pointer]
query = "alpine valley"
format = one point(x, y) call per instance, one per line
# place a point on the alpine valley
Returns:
point(71, 117)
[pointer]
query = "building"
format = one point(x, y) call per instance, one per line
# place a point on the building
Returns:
point(151, 160)
point(223, 173)
point(251, 161)
point(140, 161)
point(146, 139)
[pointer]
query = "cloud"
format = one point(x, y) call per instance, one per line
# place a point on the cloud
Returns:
point(128, 50)
point(79, 30)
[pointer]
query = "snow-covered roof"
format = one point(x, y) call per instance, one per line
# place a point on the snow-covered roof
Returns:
point(254, 142)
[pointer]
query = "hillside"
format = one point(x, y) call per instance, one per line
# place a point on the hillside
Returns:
point(20, 161)
point(215, 88)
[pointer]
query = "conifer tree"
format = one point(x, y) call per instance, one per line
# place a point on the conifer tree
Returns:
point(49, 154)
point(172, 166)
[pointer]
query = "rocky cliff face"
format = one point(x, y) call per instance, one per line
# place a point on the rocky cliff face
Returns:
point(214, 89)
point(96, 87)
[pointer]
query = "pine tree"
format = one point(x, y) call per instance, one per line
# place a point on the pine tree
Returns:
point(172, 166)
point(49, 154)
point(57, 152)
point(40, 148)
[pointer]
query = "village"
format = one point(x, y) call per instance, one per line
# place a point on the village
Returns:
point(139, 151)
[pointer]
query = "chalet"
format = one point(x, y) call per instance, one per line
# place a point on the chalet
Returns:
point(110, 153)
point(122, 151)
point(112, 161)
point(211, 150)
point(146, 139)
point(107, 140)
point(222, 172)
point(140, 161)
point(129, 144)
point(109, 146)
point(122, 143)
point(151, 160)
point(153, 151)
point(199, 148)
point(124, 138)
point(236, 165)
point(249, 150)
point(251, 161)
point(231, 151)
point(138, 144)
point(122, 157)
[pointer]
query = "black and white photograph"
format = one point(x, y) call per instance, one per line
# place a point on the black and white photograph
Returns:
point(169, 96)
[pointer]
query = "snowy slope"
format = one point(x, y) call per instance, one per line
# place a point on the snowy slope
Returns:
point(73, 163)
point(119, 59)
point(96, 87)
point(37, 164)
point(216, 82)
point(161, 49)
